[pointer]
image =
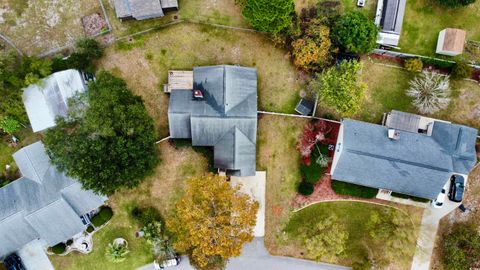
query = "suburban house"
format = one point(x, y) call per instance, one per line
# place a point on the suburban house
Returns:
point(143, 9)
point(42, 208)
point(451, 41)
point(408, 154)
point(48, 99)
point(389, 18)
point(220, 110)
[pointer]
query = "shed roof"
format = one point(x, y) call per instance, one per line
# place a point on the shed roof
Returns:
point(169, 3)
point(304, 107)
point(392, 16)
point(48, 207)
point(145, 9)
point(415, 164)
point(229, 104)
point(454, 40)
point(48, 99)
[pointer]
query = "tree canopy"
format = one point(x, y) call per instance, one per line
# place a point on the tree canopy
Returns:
point(355, 33)
point(312, 50)
point(107, 144)
point(340, 87)
point(461, 247)
point(271, 16)
point(87, 50)
point(213, 221)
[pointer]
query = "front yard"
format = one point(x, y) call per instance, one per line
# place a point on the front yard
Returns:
point(424, 19)
point(159, 190)
point(145, 66)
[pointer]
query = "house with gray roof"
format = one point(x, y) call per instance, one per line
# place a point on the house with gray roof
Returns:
point(143, 9)
point(220, 111)
point(389, 18)
point(43, 206)
point(48, 99)
point(408, 154)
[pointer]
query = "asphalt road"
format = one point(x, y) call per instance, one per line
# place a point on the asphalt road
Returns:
point(255, 257)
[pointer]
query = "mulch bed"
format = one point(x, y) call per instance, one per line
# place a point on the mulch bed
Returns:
point(93, 24)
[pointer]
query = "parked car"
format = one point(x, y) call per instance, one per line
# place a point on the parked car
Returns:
point(13, 262)
point(166, 263)
point(438, 202)
point(457, 188)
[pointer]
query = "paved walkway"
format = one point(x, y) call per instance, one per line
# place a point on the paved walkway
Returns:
point(428, 232)
point(255, 256)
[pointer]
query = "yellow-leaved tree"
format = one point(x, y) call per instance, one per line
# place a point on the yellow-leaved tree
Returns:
point(212, 221)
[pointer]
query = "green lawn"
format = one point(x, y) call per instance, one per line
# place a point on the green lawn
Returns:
point(424, 19)
point(354, 215)
point(160, 190)
point(347, 5)
point(26, 137)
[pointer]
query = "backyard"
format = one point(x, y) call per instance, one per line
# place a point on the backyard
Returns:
point(145, 64)
point(424, 19)
point(41, 25)
point(159, 190)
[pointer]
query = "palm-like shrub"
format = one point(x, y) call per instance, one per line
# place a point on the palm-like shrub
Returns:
point(430, 91)
point(116, 252)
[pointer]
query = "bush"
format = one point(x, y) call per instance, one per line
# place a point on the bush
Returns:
point(348, 189)
point(455, 3)
point(413, 65)
point(58, 248)
point(305, 188)
point(271, 16)
point(430, 92)
point(462, 70)
point(413, 198)
point(104, 215)
point(69, 242)
point(145, 215)
point(90, 229)
point(461, 247)
point(313, 172)
point(442, 64)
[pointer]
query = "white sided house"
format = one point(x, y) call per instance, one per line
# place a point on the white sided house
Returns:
point(48, 99)
point(408, 154)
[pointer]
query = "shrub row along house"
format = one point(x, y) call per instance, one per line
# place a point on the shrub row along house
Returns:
point(219, 110)
point(143, 9)
point(408, 154)
point(42, 208)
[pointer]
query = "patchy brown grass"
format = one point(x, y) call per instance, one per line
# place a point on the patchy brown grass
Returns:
point(36, 26)
point(159, 190)
point(145, 64)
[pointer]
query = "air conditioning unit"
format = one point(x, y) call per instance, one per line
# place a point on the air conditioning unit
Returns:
point(393, 134)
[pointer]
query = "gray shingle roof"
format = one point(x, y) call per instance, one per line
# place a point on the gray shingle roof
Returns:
point(143, 9)
point(48, 99)
point(392, 16)
point(304, 107)
point(228, 110)
point(48, 207)
point(415, 164)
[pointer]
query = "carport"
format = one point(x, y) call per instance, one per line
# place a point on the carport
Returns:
point(33, 256)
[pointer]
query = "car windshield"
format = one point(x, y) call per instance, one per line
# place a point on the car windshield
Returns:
point(459, 185)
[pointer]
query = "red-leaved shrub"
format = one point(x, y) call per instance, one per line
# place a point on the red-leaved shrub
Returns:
point(312, 134)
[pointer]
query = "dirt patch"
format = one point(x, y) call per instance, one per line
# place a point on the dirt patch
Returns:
point(94, 24)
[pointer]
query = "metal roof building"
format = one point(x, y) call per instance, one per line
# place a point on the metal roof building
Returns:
point(43, 204)
point(389, 18)
point(410, 163)
point(48, 99)
point(223, 115)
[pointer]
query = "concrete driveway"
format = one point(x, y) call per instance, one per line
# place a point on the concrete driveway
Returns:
point(428, 232)
point(256, 257)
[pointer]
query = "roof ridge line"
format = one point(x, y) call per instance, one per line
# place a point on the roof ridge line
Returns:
point(397, 160)
point(34, 169)
point(47, 205)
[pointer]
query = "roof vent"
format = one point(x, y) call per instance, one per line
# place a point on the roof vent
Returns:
point(197, 94)
point(393, 134)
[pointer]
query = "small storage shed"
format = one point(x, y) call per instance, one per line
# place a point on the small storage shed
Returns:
point(451, 41)
point(304, 107)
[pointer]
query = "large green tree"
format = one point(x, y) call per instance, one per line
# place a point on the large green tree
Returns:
point(271, 16)
point(107, 144)
point(354, 32)
point(340, 87)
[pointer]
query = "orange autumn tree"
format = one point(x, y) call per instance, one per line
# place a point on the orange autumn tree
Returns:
point(212, 222)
